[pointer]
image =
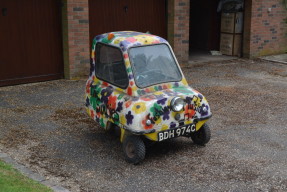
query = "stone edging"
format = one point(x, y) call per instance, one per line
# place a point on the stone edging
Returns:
point(32, 175)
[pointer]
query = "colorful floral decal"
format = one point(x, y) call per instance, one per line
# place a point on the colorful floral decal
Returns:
point(156, 110)
point(166, 113)
point(129, 118)
point(189, 111)
point(162, 101)
point(120, 107)
point(105, 95)
point(139, 107)
point(112, 102)
point(145, 120)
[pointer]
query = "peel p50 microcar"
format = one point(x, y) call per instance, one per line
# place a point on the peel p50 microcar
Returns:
point(136, 85)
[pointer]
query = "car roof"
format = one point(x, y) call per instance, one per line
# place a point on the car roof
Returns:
point(127, 39)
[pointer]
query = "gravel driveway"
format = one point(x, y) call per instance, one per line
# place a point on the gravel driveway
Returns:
point(44, 127)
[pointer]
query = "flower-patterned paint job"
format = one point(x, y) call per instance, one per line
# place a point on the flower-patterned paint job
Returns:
point(130, 108)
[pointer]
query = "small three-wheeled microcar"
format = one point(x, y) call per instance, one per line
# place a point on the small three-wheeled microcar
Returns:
point(136, 86)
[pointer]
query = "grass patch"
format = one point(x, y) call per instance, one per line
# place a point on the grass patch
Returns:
point(12, 180)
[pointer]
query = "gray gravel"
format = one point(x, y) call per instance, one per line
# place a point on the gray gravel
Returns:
point(44, 127)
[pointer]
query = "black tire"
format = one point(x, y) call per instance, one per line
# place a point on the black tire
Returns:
point(202, 136)
point(134, 149)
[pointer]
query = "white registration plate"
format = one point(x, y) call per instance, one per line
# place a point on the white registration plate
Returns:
point(176, 132)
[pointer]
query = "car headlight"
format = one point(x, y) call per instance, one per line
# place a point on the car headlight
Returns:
point(177, 104)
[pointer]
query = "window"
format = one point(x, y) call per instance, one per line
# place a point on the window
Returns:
point(110, 65)
point(153, 64)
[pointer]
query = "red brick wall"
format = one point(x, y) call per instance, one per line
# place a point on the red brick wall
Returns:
point(268, 28)
point(178, 28)
point(78, 38)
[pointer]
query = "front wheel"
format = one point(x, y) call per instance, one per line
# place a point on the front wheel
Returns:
point(134, 149)
point(202, 136)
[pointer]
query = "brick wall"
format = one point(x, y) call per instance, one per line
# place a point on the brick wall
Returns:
point(266, 28)
point(76, 35)
point(178, 28)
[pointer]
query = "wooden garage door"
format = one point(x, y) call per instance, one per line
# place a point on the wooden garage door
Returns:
point(134, 15)
point(30, 41)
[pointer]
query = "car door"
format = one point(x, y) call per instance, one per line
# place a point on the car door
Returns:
point(111, 74)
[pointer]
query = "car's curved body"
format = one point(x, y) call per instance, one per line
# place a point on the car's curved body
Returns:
point(139, 99)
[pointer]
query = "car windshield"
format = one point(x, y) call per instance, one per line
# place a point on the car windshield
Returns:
point(153, 64)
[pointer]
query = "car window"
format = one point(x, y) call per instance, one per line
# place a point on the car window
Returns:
point(153, 64)
point(110, 65)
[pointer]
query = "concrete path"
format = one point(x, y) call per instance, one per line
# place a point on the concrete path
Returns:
point(282, 58)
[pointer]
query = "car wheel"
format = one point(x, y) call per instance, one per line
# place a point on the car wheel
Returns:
point(134, 149)
point(202, 136)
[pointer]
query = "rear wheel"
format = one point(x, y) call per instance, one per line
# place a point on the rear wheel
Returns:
point(202, 136)
point(134, 149)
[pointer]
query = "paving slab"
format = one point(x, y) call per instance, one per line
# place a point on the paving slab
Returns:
point(282, 58)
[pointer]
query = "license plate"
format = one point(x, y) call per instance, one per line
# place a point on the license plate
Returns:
point(172, 133)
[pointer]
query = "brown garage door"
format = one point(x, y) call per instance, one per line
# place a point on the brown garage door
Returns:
point(30, 41)
point(134, 15)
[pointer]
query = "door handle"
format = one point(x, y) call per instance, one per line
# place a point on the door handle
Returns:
point(4, 11)
point(126, 8)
